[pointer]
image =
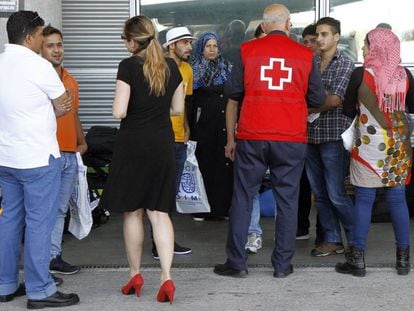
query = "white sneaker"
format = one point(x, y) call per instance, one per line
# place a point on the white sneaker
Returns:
point(254, 243)
point(198, 218)
point(303, 237)
point(259, 241)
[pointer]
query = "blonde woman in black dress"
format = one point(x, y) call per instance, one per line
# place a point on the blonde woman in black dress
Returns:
point(142, 174)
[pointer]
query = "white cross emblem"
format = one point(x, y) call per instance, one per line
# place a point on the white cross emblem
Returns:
point(281, 81)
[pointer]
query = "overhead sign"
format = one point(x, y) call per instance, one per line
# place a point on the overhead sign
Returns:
point(7, 7)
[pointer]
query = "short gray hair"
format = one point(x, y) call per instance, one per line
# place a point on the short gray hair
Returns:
point(276, 18)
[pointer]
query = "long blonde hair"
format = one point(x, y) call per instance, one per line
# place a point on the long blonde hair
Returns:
point(141, 30)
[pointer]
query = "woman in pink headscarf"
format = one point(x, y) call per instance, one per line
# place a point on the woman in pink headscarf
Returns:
point(380, 94)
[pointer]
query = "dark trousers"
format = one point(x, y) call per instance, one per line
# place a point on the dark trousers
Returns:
point(305, 204)
point(180, 157)
point(285, 161)
point(304, 208)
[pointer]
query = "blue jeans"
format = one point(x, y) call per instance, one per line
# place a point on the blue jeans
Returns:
point(69, 176)
point(29, 203)
point(397, 206)
point(180, 157)
point(254, 226)
point(326, 165)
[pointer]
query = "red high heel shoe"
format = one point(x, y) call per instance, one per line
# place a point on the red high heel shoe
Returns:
point(166, 292)
point(133, 286)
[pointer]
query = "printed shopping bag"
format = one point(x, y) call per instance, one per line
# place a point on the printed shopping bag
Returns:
point(80, 222)
point(191, 196)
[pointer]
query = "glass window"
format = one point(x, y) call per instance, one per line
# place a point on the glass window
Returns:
point(233, 20)
point(359, 17)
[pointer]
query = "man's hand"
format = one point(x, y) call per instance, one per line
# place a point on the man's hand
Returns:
point(229, 149)
point(82, 148)
point(63, 104)
point(80, 138)
point(186, 136)
point(68, 102)
point(186, 130)
point(231, 119)
point(332, 101)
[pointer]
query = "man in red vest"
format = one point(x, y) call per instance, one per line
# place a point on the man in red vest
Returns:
point(276, 80)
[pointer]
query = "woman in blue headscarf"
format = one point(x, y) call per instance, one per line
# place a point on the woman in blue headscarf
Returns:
point(211, 73)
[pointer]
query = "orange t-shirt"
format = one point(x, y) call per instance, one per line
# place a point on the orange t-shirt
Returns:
point(66, 125)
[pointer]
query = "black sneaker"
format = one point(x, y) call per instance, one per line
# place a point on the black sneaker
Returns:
point(178, 250)
point(58, 281)
point(302, 235)
point(181, 250)
point(155, 252)
point(20, 291)
point(58, 265)
point(56, 300)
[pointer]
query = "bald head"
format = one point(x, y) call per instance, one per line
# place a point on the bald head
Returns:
point(276, 17)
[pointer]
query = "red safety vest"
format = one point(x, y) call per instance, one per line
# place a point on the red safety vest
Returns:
point(276, 74)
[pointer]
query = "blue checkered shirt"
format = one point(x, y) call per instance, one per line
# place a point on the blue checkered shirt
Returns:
point(330, 125)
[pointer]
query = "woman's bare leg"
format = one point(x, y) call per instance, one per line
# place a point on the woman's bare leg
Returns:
point(163, 233)
point(134, 239)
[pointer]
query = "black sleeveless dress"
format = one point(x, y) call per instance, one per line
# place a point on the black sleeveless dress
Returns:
point(142, 172)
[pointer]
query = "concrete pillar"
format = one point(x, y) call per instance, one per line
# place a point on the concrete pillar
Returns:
point(49, 10)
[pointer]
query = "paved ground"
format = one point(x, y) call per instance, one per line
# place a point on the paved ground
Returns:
point(314, 286)
point(307, 289)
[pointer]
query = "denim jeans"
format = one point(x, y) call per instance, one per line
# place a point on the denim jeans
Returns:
point(69, 176)
point(29, 203)
point(180, 157)
point(397, 206)
point(254, 226)
point(326, 165)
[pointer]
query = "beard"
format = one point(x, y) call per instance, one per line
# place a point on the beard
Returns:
point(183, 57)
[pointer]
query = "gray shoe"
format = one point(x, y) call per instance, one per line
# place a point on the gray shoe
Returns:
point(326, 249)
point(254, 243)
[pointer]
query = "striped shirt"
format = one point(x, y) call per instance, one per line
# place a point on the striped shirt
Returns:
point(330, 125)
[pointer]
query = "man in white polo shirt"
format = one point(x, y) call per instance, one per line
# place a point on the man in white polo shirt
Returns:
point(31, 97)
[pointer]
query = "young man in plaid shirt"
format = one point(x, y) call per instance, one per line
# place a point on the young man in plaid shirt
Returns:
point(326, 161)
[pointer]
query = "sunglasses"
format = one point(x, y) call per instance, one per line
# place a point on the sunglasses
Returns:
point(36, 16)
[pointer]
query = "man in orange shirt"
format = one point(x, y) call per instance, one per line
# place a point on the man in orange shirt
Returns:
point(71, 140)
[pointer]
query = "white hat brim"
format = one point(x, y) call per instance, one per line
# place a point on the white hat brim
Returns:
point(166, 44)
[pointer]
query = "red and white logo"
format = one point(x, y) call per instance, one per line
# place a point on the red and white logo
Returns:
point(276, 73)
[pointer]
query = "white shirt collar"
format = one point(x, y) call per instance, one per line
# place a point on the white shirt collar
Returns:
point(18, 48)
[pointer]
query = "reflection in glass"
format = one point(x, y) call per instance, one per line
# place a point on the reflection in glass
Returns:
point(359, 17)
point(234, 21)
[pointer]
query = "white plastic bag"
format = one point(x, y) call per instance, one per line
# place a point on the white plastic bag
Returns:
point(349, 135)
point(191, 196)
point(313, 116)
point(80, 223)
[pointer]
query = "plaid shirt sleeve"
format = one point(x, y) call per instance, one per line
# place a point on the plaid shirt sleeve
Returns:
point(330, 125)
point(340, 79)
